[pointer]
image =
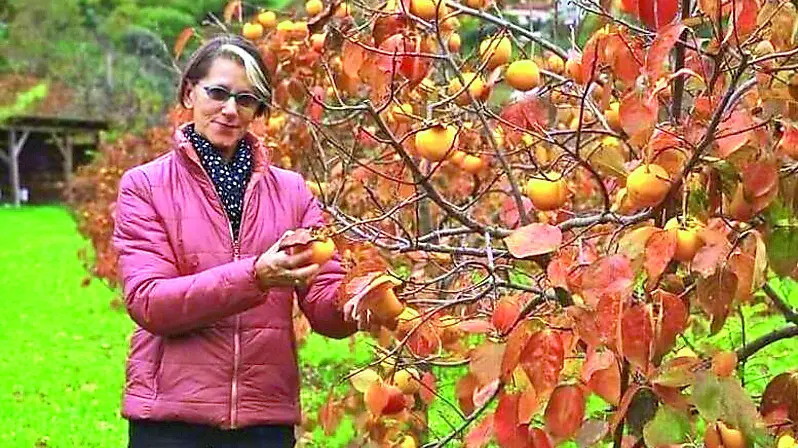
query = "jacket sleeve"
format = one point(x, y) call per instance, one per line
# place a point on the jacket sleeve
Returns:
point(318, 302)
point(157, 297)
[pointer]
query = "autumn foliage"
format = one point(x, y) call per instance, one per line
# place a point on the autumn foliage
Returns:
point(556, 220)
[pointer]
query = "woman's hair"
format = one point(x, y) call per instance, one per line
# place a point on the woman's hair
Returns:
point(235, 48)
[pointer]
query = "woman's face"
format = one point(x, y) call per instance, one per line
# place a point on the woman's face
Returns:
point(222, 122)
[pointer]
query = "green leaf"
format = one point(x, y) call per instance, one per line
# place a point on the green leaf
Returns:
point(707, 396)
point(725, 399)
point(668, 427)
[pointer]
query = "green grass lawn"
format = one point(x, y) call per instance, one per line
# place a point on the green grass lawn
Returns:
point(64, 346)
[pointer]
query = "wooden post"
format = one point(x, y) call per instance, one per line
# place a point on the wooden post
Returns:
point(65, 148)
point(15, 147)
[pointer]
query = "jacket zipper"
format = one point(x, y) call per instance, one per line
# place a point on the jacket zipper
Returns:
point(236, 335)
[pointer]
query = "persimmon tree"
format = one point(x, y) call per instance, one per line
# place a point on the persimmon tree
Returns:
point(555, 223)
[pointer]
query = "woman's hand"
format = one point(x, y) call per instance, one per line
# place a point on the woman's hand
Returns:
point(278, 268)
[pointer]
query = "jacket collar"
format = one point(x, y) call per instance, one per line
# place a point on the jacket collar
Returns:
point(260, 154)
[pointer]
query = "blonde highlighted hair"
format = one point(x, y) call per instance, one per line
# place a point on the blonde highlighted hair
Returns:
point(233, 47)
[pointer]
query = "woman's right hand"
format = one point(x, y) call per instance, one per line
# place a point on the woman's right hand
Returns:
point(275, 267)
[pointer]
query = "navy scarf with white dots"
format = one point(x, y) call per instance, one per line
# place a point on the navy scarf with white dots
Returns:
point(229, 178)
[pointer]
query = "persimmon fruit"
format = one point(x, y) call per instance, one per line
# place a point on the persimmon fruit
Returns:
point(434, 143)
point(427, 9)
point(547, 192)
point(472, 164)
point(687, 240)
point(523, 75)
point(724, 363)
point(268, 19)
point(476, 87)
point(647, 185)
point(252, 31)
point(314, 7)
point(407, 380)
point(555, 64)
point(497, 50)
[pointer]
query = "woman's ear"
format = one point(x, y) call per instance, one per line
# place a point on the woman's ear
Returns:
point(188, 95)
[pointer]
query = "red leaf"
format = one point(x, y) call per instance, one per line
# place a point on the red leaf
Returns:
point(506, 314)
point(656, 14)
point(315, 107)
point(534, 239)
point(626, 400)
point(486, 361)
point(760, 178)
point(743, 21)
point(428, 387)
point(624, 53)
point(709, 257)
point(539, 439)
point(182, 40)
point(527, 405)
point(475, 326)
point(510, 433)
point(565, 411)
point(609, 275)
point(608, 317)
point(386, 26)
point(525, 114)
point(516, 343)
point(601, 374)
point(672, 320)
point(661, 48)
point(406, 58)
point(508, 213)
point(733, 132)
point(376, 398)
point(543, 359)
point(637, 334)
point(638, 114)
point(593, 55)
point(352, 57)
point(659, 251)
point(715, 295)
point(479, 435)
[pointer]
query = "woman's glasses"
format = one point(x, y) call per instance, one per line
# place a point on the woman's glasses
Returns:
point(243, 99)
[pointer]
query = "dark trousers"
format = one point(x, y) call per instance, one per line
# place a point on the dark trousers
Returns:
point(150, 434)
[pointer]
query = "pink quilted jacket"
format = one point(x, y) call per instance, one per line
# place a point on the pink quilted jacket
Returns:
point(210, 347)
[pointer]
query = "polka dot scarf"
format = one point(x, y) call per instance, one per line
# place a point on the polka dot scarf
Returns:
point(229, 178)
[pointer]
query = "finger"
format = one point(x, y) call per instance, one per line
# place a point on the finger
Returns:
point(299, 259)
point(276, 246)
point(305, 273)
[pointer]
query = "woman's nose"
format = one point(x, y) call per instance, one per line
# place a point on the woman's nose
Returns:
point(230, 107)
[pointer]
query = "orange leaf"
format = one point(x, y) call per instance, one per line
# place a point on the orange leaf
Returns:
point(464, 391)
point(525, 114)
point(656, 14)
point(376, 398)
point(509, 431)
point(661, 48)
point(637, 334)
point(609, 275)
point(565, 411)
point(638, 114)
point(518, 339)
point(601, 374)
point(483, 394)
point(352, 56)
point(715, 295)
point(182, 40)
point(543, 359)
point(660, 248)
point(534, 239)
point(486, 361)
point(506, 313)
point(479, 435)
point(761, 178)
point(527, 405)
point(733, 133)
point(624, 53)
point(672, 320)
point(330, 415)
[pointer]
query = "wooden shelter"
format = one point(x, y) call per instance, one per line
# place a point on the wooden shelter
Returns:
point(49, 126)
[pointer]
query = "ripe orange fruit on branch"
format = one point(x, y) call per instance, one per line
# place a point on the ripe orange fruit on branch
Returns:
point(573, 69)
point(343, 10)
point(435, 142)
point(647, 185)
point(687, 240)
point(523, 75)
point(497, 51)
point(427, 9)
point(555, 64)
point(786, 441)
point(454, 43)
point(613, 117)
point(547, 192)
point(403, 113)
point(472, 164)
point(268, 19)
point(322, 250)
point(252, 31)
point(382, 300)
point(313, 7)
point(476, 87)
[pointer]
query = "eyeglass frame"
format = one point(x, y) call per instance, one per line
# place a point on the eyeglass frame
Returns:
point(235, 95)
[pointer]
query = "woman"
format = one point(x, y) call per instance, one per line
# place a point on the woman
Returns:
point(213, 357)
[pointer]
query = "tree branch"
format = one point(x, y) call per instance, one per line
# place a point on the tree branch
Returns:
point(780, 303)
point(763, 341)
